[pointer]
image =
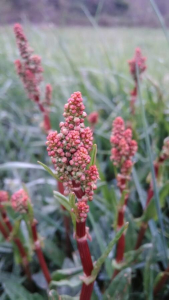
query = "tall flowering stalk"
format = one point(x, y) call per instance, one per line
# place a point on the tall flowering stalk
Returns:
point(7, 231)
point(164, 155)
point(69, 151)
point(123, 150)
point(30, 71)
point(137, 62)
point(20, 203)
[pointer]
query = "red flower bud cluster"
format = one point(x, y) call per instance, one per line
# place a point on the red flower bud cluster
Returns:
point(70, 149)
point(137, 62)
point(82, 210)
point(19, 201)
point(4, 197)
point(123, 150)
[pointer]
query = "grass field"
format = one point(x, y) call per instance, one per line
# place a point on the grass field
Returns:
point(93, 61)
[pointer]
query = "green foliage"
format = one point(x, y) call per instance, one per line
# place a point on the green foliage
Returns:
point(97, 66)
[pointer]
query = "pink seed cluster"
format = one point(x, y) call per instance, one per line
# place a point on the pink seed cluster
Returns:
point(19, 201)
point(138, 61)
point(4, 197)
point(69, 150)
point(123, 150)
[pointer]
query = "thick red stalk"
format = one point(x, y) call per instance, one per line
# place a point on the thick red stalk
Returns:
point(86, 259)
point(161, 282)
point(83, 248)
point(39, 252)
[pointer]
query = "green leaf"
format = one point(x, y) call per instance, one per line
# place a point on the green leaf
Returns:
point(119, 288)
point(62, 200)
point(93, 155)
point(99, 238)
point(72, 199)
point(53, 252)
point(101, 260)
point(64, 273)
point(158, 278)
point(49, 170)
point(148, 275)
point(150, 157)
point(72, 282)
point(17, 292)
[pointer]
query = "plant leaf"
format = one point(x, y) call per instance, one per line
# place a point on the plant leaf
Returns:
point(72, 283)
point(64, 273)
point(93, 155)
point(62, 200)
point(48, 170)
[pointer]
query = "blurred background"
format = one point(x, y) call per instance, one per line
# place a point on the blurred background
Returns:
point(70, 12)
point(85, 45)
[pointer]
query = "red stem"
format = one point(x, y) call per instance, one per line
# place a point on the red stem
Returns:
point(46, 120)
point(17, 241)
point(141, 234)
point(150, 195)
point(121, 242)
point(39, 252)
point(133, 98)
point(86, 259)
point(84, 251)
point(46, 117)
point(161, 282)
point(5, 218)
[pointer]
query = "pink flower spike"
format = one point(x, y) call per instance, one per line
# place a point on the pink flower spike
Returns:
point(139, 61)
point(123, 151)
point(69, 151)
point(19, 201)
